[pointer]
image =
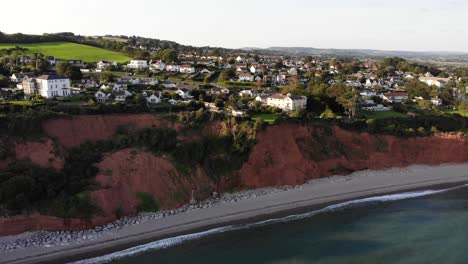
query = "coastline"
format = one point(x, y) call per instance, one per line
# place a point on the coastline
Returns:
point(315, 194)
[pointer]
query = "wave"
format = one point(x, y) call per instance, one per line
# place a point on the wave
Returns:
point(174, 241)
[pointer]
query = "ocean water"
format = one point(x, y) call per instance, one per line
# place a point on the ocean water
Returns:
point(415, 227)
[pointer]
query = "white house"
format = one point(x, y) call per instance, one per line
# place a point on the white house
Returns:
point(395, 97)
point(240, 59)
point(172, 68)
point(53, 86)
point(186, 69)
point(184, 94)
point(436, 81)
point(152, 98)
point(246, 77)
point(253, 69)
point(101, 65)
point(157, 66)
point(138, 64)
point(287, 102)
point(292, 71)
point(436, 101)
point(101, 96)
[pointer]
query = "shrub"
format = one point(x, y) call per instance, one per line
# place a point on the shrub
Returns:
point(147, 203)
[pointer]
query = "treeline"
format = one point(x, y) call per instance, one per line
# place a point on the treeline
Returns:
point(409, 127)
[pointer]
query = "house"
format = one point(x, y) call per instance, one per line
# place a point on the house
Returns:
point(74, 63)
point(101, 65)
point(101, 96)
point(120, 96)
point(240, 59)
point(206, 71)
point(436, 81)
point(377, 108)
point(19, 77)
point(186, 69)
point(436, 101)
point(172, 101)
point(51, 59)
point(395, 97)
point(172, 68)
point(152, 98)
point(368, 93)
point(287, 102)
point(49, 86)
point(169, 84)
point(138, 64)
point(24, 59)
point(157, 66)
point(219, 90)
point(184, 94)
point(253, 69)
point(292, 71)
point(250, 93)
point(246, 77)
point(235, 112)
point(262, 98)
point(30, 86)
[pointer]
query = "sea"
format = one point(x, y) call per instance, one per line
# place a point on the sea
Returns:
point(427, 226)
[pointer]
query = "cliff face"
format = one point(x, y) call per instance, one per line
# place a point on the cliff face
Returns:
point(292, 154)
point(284, 155)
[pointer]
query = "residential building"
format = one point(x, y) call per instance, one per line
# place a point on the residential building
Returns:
point(184, 94)
point(138, 64)
point(246, 77)
point(101, 65)
point(287, 102)
point(49, 86)
point(186, 69)
point(157, 66)
point(152, 98)
point(395, 97)
point(436, 81)
point(172, 68)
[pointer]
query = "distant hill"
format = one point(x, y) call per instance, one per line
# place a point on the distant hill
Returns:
point(68, 51)
point(302, 51)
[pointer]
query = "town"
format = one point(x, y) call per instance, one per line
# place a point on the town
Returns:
point(237, 83)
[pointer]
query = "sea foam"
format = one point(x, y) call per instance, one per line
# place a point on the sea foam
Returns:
point(174, 241)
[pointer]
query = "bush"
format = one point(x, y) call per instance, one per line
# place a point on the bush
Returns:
point(147, 203)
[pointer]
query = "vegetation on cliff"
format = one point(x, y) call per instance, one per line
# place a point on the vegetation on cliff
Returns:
point(26, 188)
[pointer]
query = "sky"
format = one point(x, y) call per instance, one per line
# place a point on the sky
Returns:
point(410, 25)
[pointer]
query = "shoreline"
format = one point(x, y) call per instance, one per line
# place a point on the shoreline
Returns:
point(312, 195)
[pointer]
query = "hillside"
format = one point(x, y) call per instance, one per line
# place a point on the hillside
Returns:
point(68, 51)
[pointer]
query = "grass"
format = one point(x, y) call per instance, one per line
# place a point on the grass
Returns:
point(451, 112)
point(23, 103)
point(69, 51)
point(269, 118)
point(385, 114)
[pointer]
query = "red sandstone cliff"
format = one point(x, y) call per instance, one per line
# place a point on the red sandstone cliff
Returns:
point(284, 155)
point(290, 155)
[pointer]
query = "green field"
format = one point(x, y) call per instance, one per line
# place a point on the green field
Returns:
point(70, 51)
point(384, 114)
point(269, 118)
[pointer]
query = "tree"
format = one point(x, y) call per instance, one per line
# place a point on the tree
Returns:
point(69, 71)
point(166, 55)
point(139, 99)
point(107, 77)
point(226, 75)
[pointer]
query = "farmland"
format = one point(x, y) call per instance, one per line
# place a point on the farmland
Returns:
point(68, 51)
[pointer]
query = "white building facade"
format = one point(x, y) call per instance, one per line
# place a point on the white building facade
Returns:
point(50, 86)
point(138, 64)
